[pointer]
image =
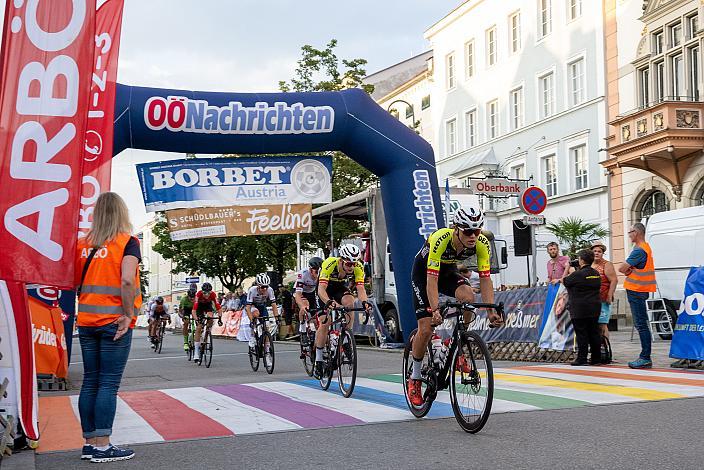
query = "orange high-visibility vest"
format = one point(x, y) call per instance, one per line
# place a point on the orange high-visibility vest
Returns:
point(642, 280)
point(100, 301)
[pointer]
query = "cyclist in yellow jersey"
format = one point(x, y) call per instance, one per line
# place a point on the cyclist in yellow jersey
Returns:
point(435, 271)
point(334, 281)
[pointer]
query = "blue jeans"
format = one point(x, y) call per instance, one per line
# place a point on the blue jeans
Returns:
point(639, 313)
point(103, 364)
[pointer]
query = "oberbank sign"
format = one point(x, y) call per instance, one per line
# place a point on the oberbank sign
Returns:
point(181, 114)
point(214, 182)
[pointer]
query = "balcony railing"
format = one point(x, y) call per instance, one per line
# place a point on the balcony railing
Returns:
point(678, 113)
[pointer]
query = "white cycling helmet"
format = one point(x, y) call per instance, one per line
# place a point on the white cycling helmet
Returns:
point(350, 252)
point(470, 218)
point(262, 279)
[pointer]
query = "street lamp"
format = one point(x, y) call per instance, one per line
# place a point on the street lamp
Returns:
point(410, 106)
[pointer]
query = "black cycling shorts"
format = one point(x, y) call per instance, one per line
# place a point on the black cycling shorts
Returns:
point(312, 298)
point(336, 291)
point(449, 279)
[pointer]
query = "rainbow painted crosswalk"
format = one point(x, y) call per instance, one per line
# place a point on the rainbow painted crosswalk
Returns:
point(230, 410)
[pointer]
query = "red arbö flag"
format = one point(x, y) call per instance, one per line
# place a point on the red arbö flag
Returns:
point(97, 154)
point(46, 69)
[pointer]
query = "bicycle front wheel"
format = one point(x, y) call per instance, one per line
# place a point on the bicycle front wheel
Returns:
point(346, 363)
point(268, 352)
point(472, 383)
point(254, 356)
point(162, 329)
point(208, 349)
point(306, 353)
point(326, 379)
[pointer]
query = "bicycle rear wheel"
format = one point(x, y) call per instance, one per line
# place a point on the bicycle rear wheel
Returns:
point(472, 383)
point(347, 363)
point(417, 411)
point(208, 349)
point(254, 355)
point(162, 329)
point(306, 355)
point(268, 352)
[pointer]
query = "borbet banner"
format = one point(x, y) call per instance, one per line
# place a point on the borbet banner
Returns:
point(97, 154)
point(234, 221)
point(203, 182)
point(47, 63)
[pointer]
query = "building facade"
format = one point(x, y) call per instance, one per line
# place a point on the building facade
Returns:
point(518, 89)
point(656, 126)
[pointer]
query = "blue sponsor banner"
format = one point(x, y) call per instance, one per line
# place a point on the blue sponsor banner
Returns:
point(688, 337)
point(65, 300)
point(523, 313)
point(214, 182)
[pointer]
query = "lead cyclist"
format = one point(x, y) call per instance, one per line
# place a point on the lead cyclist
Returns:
point(435, 271)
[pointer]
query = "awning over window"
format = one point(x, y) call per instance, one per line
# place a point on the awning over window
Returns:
point(476, 162)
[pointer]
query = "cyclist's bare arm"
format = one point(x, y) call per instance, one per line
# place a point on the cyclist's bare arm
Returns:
point(431, 289)
point(322, 294)
point(275, 309)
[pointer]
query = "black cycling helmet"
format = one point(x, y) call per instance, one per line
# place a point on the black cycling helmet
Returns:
point(206, 287)
point(191, 293)
point(315, 262)
point(159, 300)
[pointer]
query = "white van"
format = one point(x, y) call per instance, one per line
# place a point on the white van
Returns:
point(677, 240)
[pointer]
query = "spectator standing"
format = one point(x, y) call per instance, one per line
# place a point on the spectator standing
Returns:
point(640, 282)
point(609, 280)
point(583, 288)
point(108, 302)
point(557, 264)
point(286, 302)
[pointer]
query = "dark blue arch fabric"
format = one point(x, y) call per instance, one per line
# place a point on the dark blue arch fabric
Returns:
point(361, 129)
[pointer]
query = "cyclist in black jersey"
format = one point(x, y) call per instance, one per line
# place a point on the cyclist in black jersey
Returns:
point(435, 271)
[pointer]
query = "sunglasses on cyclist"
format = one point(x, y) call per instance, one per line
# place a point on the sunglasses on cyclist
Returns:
point(263, 287)
point(468, 232)
point(349, 264)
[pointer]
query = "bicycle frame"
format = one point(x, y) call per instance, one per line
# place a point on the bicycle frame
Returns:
point(442, 376)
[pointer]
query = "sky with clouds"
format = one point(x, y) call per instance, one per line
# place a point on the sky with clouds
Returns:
point(249, 45)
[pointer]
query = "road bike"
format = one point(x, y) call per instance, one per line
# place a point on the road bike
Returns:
point(159, 338)
point(191, 335)
point(263, 345)
point(340, 350)
point(307, 341)
point(206, 343)
point(462, 364)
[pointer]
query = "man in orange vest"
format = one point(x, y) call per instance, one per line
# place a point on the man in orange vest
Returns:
point(640, 282)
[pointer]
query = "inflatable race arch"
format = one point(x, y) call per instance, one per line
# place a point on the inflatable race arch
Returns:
point(265, 123)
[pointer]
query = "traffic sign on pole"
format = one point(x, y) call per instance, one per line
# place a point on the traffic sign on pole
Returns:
point(533, 200)
point(534, 219)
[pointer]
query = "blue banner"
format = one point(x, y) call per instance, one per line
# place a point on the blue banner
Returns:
point(523, 312)
point(688, 337)
point(214, 182)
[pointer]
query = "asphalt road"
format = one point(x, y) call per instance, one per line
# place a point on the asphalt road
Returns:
point(664, 434)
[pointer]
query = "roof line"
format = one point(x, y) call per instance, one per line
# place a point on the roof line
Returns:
point(397, 64)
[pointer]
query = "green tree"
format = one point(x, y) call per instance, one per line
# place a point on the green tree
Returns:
point(230, 260)
point(576, 233)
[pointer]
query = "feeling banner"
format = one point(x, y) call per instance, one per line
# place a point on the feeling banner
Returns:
point(233, 221)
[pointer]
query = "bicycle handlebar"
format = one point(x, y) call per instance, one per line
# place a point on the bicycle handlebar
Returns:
point(499, 308)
